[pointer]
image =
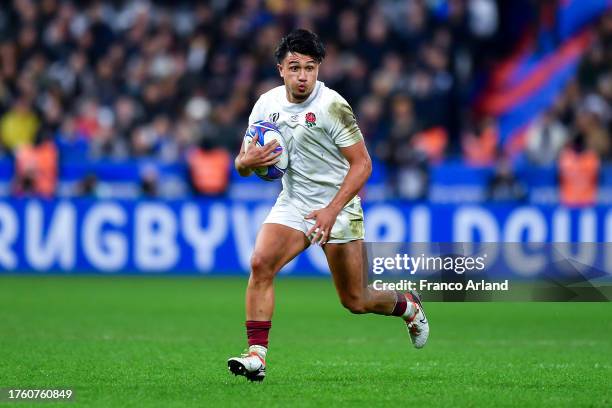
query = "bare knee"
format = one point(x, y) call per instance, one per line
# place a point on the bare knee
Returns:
point(355, 304)
point(262, 271)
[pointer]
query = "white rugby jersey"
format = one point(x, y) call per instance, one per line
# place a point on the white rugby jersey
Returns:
point(314, 130)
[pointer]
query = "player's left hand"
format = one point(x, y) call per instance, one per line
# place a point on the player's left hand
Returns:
point(325, 218)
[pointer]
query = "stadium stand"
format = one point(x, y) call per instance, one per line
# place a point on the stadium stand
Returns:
point(130, 96)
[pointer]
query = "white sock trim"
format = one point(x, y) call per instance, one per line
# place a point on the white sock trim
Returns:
point(410, 309)
point(260, 350)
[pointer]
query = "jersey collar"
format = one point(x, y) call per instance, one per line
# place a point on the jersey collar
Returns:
point(298, 107)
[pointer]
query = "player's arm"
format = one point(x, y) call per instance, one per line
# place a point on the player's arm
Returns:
point(360, 169)
point(240, 167)
point(256, 156)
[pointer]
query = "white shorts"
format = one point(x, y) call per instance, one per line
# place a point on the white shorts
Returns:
point(348, 226)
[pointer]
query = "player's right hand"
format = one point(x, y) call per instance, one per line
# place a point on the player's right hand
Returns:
point(260, 156)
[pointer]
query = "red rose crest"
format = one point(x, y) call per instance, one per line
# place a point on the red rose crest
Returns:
point(311, 119)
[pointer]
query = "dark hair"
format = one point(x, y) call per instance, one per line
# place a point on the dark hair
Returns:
point(301, 41)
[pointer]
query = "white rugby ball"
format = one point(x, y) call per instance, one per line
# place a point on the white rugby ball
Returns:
point(268, 132)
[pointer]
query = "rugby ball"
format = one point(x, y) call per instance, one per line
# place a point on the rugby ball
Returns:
point(268, 132)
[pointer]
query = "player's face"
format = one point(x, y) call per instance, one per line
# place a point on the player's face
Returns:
point(299, 72)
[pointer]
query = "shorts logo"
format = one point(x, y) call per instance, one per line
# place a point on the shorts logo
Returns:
point(311, 120)
point(274, 117)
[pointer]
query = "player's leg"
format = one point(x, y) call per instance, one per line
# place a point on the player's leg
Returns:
point(347, 262)
point(276, 245)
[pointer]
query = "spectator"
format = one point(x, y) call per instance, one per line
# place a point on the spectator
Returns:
point(408, 166)
point(546, 136)
point(593, 115)
point(370, 117)
point(19, 126)
point(209, 170)
point(578, 173)
point(481, 144)
point(71, 143)
point(377, 42)
point(504, 186)
point(36, 169)
point(432, 143)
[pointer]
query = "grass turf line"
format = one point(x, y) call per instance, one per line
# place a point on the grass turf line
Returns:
point(134, 341)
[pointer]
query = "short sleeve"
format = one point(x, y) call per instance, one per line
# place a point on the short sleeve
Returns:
point(257, 112)
point(343, 127)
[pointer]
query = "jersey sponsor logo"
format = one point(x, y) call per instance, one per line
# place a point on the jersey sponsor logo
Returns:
point(274, 117)
point(295, 118)
point(311, 120)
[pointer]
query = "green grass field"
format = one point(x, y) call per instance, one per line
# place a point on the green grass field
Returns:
point(164, 342)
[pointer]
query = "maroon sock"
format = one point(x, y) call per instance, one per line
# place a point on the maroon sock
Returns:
point(257, 332)
point(400, 305)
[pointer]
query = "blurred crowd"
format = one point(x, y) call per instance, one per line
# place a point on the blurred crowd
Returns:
point(175, 81)
point(574, 134)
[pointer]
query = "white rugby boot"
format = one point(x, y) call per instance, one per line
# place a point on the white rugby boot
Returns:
point(418, 326)
point(251, 364)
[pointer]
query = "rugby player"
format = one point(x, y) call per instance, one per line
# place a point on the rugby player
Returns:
point(328, 165)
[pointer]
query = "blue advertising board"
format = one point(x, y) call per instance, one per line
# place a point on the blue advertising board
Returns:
point(211, 236)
